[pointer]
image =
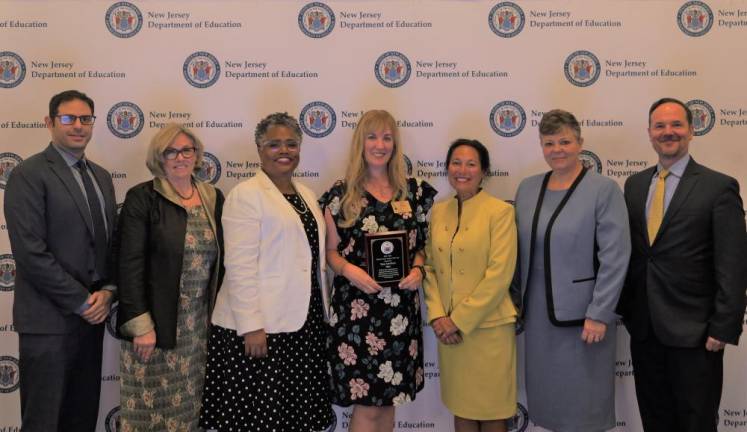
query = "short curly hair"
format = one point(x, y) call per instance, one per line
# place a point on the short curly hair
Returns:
point(277, 119)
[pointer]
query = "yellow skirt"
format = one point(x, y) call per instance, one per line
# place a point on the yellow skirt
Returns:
point(478, 376)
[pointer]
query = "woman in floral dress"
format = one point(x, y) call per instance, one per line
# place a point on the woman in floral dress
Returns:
point(375, 343)
point(169, 271)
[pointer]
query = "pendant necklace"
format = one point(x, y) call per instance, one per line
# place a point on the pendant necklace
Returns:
point(191, 194)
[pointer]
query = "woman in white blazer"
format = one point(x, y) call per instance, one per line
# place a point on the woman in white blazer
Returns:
point(267, 368)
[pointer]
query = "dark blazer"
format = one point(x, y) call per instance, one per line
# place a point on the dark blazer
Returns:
point(691, 282)
point(151, 249)
point(51, 234)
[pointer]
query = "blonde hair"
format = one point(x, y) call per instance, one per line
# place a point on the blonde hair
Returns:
point(355, 176)
point(164, 138)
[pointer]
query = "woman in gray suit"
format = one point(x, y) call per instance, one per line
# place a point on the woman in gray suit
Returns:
point(574, 246)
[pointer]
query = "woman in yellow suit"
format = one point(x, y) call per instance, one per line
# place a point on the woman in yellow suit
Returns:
point(471, 254)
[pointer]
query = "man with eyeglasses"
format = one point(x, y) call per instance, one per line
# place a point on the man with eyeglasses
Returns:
point(60, 210)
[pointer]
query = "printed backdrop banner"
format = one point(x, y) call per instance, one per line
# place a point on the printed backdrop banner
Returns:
point(445, 69)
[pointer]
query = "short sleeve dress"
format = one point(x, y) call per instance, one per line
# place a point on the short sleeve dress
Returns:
point(375, 342)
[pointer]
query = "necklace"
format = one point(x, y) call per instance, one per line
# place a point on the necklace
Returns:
point(191, 194)
point(304, 208)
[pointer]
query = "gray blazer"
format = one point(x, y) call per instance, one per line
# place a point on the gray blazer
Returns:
point(586, 251)
point(51, 237)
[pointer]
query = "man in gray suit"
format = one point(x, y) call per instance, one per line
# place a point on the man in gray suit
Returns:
point(60, 210)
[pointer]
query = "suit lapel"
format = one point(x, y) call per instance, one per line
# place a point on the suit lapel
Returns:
point(687, 182)
point(110, 207)
point(278, 199)
point(62, 170)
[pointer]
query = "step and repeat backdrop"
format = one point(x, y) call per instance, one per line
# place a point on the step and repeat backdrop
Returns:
point(445, 69)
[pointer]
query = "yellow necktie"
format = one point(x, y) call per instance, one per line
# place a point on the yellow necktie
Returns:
point(656, 212)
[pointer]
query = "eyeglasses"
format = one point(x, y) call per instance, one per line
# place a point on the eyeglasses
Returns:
point(68, 119)
point(274, 145)
point(186, 152)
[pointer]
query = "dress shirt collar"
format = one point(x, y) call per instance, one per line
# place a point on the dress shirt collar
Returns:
point(677, 168)
point(68, 157)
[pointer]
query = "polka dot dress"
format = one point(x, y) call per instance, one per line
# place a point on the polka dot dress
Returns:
point(287, 391)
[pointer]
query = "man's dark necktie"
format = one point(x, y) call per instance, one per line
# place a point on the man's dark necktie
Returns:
point(99, 228)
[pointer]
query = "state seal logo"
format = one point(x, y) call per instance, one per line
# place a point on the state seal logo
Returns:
point(111, 423)
point(506, 19)
point(8, 374)
point(316, 20)
point(520, 421)
point(125, 120)
point(392, 69)
point(387, 247)
point(111, 321)
point(590, 161)
point(12, 69)
point(317, 119)
point(704, 118)
point(8, 161)
point(123, 19)
point(201, 69)
point(507, 118)
point(695, 18)
point(210, 170)
point(582, 68)
point(7, 272)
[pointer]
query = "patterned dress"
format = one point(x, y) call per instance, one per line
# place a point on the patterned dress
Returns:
point(165, 394)
point(283, 392)
point(376, 341)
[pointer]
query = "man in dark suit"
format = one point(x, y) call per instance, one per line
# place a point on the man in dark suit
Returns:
point(60, 210)
point(684, 296)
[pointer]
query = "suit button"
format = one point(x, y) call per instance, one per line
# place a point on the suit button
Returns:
point(461, 249)
point(466, 228)
point(442, 272)
point(461, 271)
point(440, 249)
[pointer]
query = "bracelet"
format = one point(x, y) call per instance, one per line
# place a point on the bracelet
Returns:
point(422, 270)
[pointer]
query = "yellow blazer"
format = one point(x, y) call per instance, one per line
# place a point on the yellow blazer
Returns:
point(469, 270)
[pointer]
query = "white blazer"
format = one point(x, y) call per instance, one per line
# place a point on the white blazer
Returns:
point(268, 260)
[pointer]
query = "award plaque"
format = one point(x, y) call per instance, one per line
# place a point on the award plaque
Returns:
point(387, 257)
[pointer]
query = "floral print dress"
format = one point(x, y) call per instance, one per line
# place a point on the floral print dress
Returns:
point(165, 394)
point(375, 342)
